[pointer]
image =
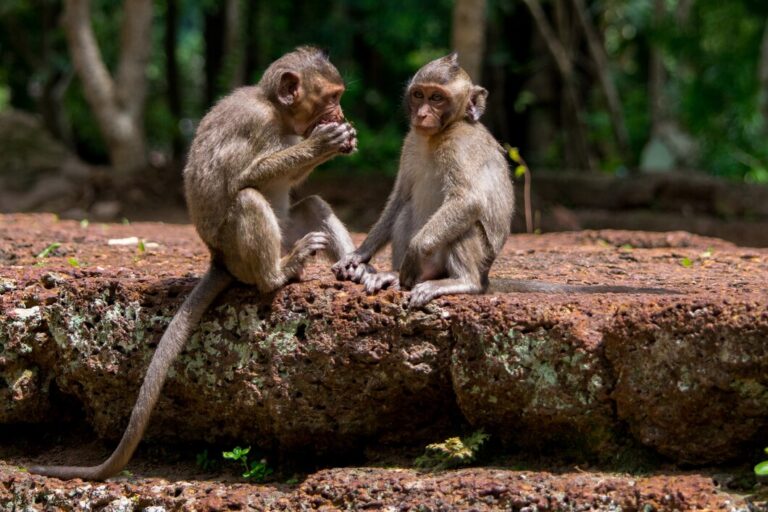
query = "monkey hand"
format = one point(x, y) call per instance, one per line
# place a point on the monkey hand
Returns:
point(307, 246)
point(352, 267)
point(378, 281)
point(334, 138)
point(423, 293)
point(410, 268)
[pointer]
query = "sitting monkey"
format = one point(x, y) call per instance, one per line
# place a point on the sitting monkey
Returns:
point(248, 153)
point(449, 213)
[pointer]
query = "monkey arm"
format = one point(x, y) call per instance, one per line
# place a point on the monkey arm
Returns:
point(354, 265)
point(283, 163)
point(381, 232)
point(454, 217)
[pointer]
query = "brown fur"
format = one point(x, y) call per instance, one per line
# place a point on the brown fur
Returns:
point(247, 154)
point(450, 211)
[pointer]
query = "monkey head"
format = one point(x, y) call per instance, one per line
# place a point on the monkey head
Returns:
point(306, 88)
point(441, 93)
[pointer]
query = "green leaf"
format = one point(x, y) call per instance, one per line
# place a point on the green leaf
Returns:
point(73, 262)
point(514, 154)
point(686, 262)
point(237, 453)
point(519, 171)
point(141, 246)
point(762, 468)
point(48, 250)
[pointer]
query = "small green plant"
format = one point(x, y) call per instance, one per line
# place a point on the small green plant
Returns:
point(451, 453)
point(522, 171)
point(761, 469)
point(141, 246)
point(688, 262)
point(48, 250)
point(74, 262)
point(257, 470)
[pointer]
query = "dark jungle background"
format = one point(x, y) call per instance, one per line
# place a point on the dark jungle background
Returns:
point(99, 99)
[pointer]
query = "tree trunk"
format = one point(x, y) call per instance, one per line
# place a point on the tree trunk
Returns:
point(173, 93)
point(468, 37)
point(117, 103)
point(233, 44)
point(251, 46)
point(571, 97)
point(683, 12)
point(763, 74)
point(600, 58)
point(657, 76)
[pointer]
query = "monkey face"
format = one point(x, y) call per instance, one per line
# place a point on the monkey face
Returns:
point(430, 107)
point(318, 103)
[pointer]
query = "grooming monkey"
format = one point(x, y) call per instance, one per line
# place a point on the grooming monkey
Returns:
point(249, 151)
point(449, 213)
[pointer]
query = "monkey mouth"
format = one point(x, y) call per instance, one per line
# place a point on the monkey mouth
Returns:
point(426, 129)
point(324, 119)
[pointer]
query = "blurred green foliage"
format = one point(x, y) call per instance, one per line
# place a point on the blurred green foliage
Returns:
point(712, 89)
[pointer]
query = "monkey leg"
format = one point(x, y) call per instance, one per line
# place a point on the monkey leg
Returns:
point(252, 235)
point(313, 214)
point(467, 268)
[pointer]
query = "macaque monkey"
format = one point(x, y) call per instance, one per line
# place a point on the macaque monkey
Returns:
point(449, 213)
point(249, 151)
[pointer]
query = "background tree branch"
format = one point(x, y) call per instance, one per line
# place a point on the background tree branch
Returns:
point(117, 106)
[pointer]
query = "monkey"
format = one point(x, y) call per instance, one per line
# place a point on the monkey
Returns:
point(248, 152)
point(449, 213)
point(450, 210)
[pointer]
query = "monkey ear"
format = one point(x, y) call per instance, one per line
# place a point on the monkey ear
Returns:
point(288, 90)
point(452, 59)
point(476, 103)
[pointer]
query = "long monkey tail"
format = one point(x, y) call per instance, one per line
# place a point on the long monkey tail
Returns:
point(179, 330)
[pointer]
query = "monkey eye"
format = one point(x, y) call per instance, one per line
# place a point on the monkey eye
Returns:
point(418, 94)
point(436, 97)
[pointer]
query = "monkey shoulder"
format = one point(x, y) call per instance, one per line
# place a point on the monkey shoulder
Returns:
point(470, 147)
point(244, 113)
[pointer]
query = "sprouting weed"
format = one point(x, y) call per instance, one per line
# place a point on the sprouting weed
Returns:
point(761, 469)
point(48, 250)
point(257, 470)
point(451, 453)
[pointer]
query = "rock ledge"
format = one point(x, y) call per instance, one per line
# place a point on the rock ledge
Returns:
point(319, 366)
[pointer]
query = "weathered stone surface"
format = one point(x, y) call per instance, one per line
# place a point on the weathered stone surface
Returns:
point(319, 366)
point(378, 489)
point(706, 361)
